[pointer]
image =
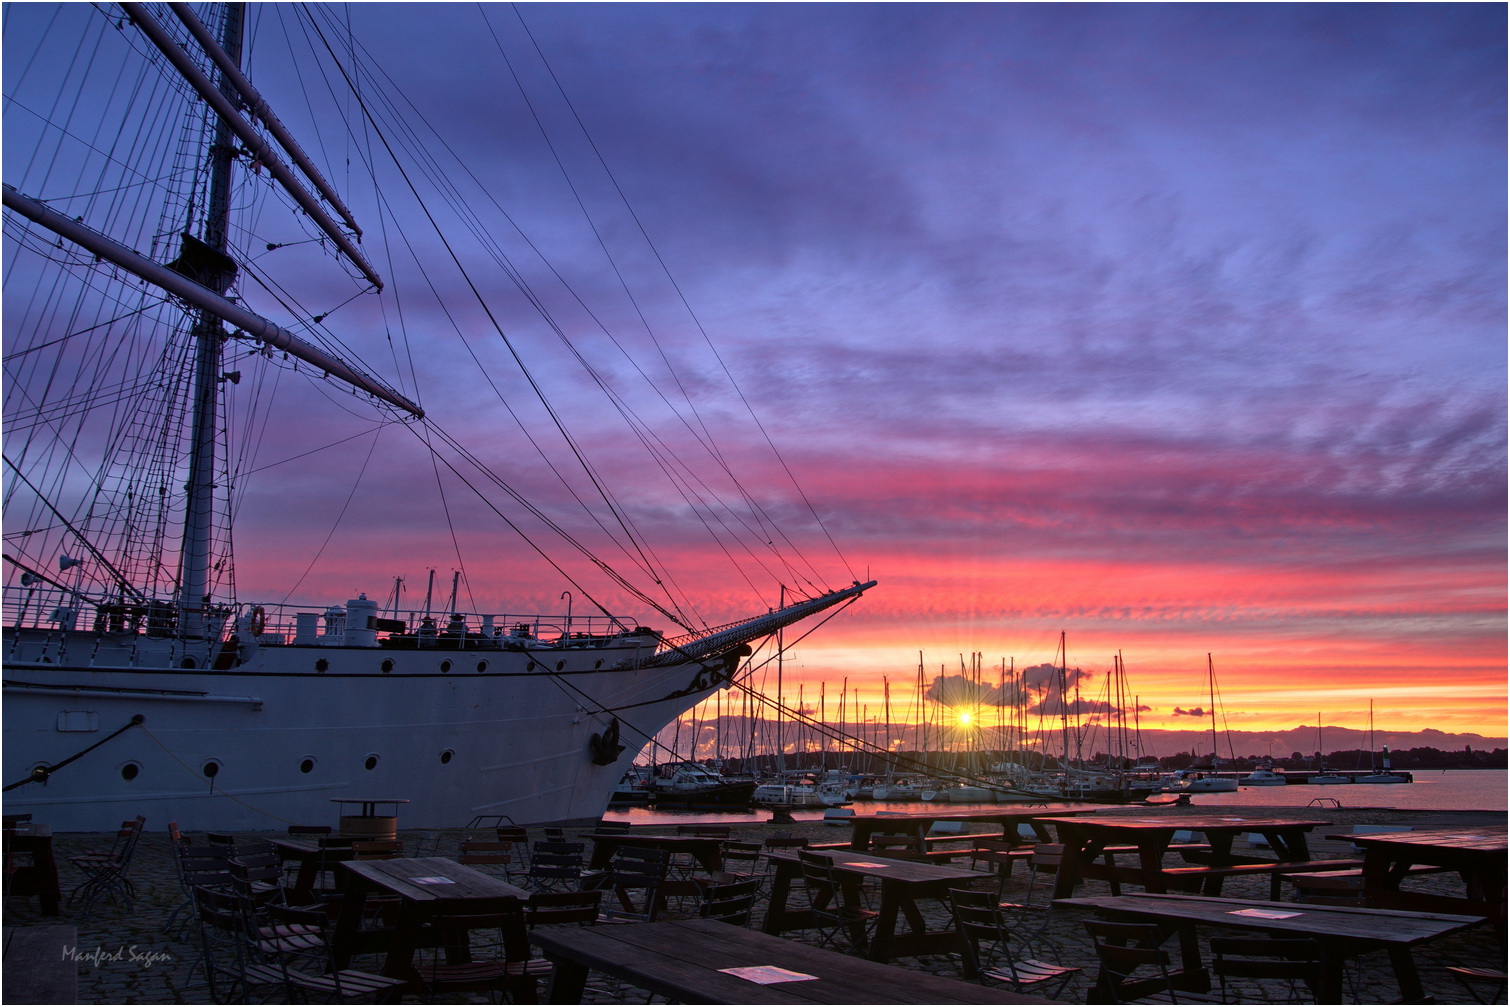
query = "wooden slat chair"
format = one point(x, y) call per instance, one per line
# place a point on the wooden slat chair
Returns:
point(1134, 969)
point(519, 840)
point(742, 862)
point(333, 850)
point(549, 908)
point(1294, 962)
point(684, 865)
point(258, 878)
point(1474, 980)
point(240, 946)
point(233, 963)
point(487, 853)
point(780, 841)
point(1328, 891)
point(377, 849)
point(197, 866)
point(705, 831)
point(998, 855)
point(300, 831)
point(732, 903)
point(1043, 871)
point(827, 906)
point(987, 934)
point(554, 866)
point(105, 870)
point(481, 946)
point(784, 841)
point(900, 845)
point(310, 970)
point(612, 828)
point(634, 869)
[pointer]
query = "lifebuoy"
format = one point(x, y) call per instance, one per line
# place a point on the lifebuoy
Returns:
point(259, 620)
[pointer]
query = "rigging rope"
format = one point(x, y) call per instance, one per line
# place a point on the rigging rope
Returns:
point(41, 773)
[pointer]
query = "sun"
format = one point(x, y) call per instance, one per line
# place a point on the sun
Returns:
point(964, 718)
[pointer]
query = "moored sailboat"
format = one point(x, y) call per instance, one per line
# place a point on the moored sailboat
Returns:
point(1376, 774)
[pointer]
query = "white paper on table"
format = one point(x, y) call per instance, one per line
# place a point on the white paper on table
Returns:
point(767, 974)
point(431, 881)
point(1263, 914)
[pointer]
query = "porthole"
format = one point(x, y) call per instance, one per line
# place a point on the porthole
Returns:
point(387, 665)
point(306, 765)
point(445, 667)
point(130, 770)
point(530, 666)
point(211, 769)
point(447, 756)
point(187, 662)
point(597, 664)
point(322, 665)
point(560, 665)
point(482, 666)
point(371, 762)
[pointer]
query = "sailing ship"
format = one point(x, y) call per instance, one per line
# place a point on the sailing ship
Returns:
point(145, 331)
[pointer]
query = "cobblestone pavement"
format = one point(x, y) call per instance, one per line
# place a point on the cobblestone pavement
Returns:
point(126, 957)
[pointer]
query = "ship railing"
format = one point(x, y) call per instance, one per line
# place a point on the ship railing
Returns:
point(42, 606)
point(336, 625)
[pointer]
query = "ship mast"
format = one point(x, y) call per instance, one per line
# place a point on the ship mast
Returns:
point(215, 270)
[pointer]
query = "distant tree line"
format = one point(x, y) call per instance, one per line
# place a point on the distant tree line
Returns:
point(978, 763)
point(1352, 758)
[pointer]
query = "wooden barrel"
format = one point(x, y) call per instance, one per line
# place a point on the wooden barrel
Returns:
point(366, 827)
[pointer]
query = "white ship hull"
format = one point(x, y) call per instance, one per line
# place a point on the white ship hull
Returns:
point(519, 741)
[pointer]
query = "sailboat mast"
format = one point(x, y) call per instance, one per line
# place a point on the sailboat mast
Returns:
point(1211, 702)
point(216, 271)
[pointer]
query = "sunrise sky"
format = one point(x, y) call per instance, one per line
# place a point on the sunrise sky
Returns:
point(1179, 329)
point(1176, 328)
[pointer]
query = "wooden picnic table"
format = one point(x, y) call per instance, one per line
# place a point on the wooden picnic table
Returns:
point(30, 868)
point(312, 858)
point(423, 884)
point(1084, 838)
point(903, 882)
point(684, 959)
point(1340, 931)
point(917, 823)
point(1477, 854)
point(38, 967)
point(706, 850)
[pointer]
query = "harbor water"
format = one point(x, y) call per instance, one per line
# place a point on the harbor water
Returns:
point(1433, 790)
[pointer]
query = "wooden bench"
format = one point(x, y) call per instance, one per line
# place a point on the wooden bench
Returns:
point(37, 967)
point(904, 847)
point(1207, 879)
